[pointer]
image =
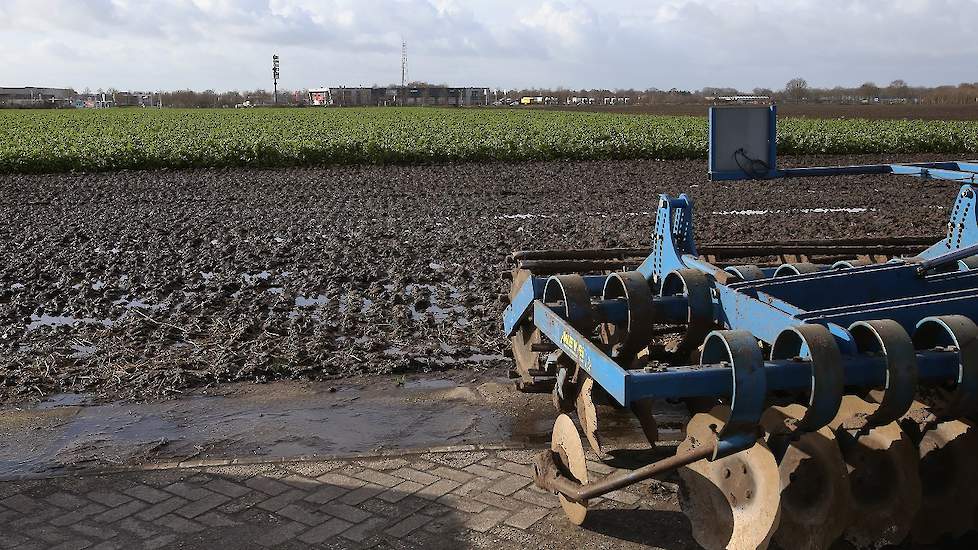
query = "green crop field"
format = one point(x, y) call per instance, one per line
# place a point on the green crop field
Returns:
point(88, 140)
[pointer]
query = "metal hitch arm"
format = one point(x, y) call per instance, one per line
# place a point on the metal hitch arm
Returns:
point(548, 475)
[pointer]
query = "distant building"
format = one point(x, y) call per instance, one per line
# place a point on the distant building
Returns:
point(31, 96)
point(135, 99)
point(432, 96)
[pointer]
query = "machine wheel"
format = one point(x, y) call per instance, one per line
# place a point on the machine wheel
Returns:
point(731, 502)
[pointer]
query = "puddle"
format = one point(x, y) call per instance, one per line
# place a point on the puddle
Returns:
point(63, 320)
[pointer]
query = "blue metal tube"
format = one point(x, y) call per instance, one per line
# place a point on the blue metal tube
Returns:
point(717, 381)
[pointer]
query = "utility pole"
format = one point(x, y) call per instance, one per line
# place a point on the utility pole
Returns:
point(275, 79)
point(403, 70)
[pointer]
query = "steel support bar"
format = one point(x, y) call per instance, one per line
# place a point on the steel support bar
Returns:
point(863, 371)
point(934, 173)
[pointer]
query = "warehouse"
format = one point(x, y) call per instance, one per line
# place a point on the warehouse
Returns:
point(31, 96)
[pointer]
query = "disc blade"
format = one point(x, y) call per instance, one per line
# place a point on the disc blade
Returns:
point(948, 478)
point(883, 476)
point(731, 502)
point(815, 496)
point(587, 413)
point(642, 409)
point(567, 444)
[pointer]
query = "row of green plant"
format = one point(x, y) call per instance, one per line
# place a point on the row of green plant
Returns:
point(96, 140)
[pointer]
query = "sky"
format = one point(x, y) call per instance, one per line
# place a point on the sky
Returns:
point(687, 44)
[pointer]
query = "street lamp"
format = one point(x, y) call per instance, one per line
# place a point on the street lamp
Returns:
point(275, 78)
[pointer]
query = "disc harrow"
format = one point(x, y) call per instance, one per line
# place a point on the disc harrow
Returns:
point(832, 385)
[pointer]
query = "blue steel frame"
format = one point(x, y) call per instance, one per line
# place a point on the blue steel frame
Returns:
point(906, 291)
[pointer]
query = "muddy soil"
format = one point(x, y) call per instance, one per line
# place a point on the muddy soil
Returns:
point(141, 284)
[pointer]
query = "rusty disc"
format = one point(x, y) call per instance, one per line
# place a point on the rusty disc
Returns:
point(883, 476)
point(731, 502)
point(587, 413)
point(566, 442)
point(947, 478)
point(527, 360)
point(815, 498)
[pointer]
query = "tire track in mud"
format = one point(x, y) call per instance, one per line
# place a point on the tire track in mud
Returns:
point(139, 284)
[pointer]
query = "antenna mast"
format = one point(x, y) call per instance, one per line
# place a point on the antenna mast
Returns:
point(403, 64)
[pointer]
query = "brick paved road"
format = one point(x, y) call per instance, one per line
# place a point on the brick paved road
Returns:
point(474, 498)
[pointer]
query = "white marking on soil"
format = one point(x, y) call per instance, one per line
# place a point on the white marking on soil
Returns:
point(851, 210)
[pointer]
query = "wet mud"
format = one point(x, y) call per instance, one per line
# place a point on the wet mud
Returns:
point(146, 284)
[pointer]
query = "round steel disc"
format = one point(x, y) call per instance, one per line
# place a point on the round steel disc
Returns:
point(731, 502)
point(948, 478)
point(883, 476)
point(523, 355)
point(567, 444)
point(815, 497)
point(587, 413)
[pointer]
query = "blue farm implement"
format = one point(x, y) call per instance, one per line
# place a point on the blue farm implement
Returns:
point(831, 384)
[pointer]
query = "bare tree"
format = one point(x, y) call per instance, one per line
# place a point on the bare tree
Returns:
point(796, 88)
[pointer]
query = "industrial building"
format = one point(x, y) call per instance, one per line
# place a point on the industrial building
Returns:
point(432, 96)
point(31, 96)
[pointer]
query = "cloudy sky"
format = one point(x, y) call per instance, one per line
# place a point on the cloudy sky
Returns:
point(227, 44)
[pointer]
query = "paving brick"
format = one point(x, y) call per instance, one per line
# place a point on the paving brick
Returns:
point(499, 501)
point(357, 496)
point(463, 504)
point(77, 515)
point(360, 532)
point(94, 532)
point(437, 489)
point(188, 491)
point(301, 482)
point(197, 508)
point(484, 471)
point(599, 468)
point(340, 480)
point(313, 469)
point(120, 512)
point(473, 486)
point(161, 541)
point(622, 496)
point(459, 459)
point(509, 485)
point(325, 494)
point(75, 544)
point(417, 476)
point(519, 469)
point(282, 500)
point(162, 508)
point(296, 512)
point(325, 531)
point(379, 478)
point(281, 534)
point(401, 491)
point(243, 503)
point(407, 525)
point(66, 500)
point(526, 517)
point(110, 499)
point(450, 473)
point(539, 498)
point(486, 520)
point(22, 503)
point(140, 529)
point(491, 462)
point(216, 519)
point(343, 511)
point(148, 494)
point(267, 485)
point(227, 488)
point(179, 524)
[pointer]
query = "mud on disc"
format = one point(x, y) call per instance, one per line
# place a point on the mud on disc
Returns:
point(731, 502)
